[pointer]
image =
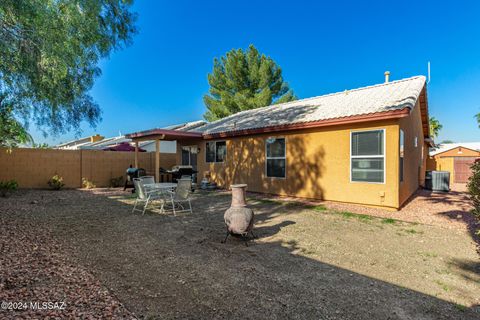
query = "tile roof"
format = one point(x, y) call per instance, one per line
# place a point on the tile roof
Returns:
point(395, 95)
point(187, 126)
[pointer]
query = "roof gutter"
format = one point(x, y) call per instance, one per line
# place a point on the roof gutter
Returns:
point(395, 114)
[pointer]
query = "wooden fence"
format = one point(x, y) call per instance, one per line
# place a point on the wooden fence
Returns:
point(32, 168)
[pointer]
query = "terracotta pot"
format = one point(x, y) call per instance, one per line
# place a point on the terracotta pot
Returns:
point(238, 195)
point(238, 218)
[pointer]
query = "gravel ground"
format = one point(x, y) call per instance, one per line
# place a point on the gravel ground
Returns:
point(37, 278)
point(305, 264)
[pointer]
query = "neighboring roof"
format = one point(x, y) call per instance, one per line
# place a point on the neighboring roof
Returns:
point(449, 146)
point(104, 143)
point(177, 131)
point(392, 99)
point(111, 142)
point(74, 143)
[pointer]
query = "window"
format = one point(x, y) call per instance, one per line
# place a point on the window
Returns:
point(189, 156)
point(368, 156)
point(401, 152)
point(185, 156)
point(215, 151)
point(220, 151)
point(276, 160)
point(210, 152)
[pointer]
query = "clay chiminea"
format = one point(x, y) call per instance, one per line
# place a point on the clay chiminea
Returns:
point(238, 218)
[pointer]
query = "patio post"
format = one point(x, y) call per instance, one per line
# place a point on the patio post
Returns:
point(157, 160)
point(136, 154)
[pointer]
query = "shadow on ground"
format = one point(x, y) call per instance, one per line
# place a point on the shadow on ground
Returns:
point(165, 267)
point(462, 210)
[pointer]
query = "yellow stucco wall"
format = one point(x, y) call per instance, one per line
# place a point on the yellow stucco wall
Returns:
point(414, 162)
point(318, 165)
point(442, 164)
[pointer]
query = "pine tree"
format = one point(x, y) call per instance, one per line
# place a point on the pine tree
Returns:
point(243, 80)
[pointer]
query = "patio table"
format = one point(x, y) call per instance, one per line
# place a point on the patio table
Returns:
point(161, 186)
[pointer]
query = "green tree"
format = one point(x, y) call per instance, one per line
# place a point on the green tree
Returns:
point(12, 132)
point(50, 51)
point(41, 145)
point(435, 127)
point(243, 80)
point(477, 116)
point(474, 188)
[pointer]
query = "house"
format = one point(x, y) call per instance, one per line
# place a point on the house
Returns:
point(78, 143)
point(455, 158)
point(367, 146)
point(98, 142)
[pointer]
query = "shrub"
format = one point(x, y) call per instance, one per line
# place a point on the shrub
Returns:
point(7, 187)
point(87, 184)
point(116, 182)
point(474, 187)
point(56, 182)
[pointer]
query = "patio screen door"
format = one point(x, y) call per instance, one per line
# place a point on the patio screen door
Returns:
point(189, 156)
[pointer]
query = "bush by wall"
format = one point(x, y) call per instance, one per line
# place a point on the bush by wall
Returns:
point(6, 187)
point(56, 182)
point(474, 187)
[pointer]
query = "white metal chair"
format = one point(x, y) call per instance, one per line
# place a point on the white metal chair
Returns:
point(194, 185)
point(147, 180)
point(145, 195)
point(181, 196)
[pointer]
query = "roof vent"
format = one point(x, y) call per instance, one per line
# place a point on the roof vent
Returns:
point(387, 76)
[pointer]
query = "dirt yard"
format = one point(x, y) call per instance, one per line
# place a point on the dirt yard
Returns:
point(309, 262)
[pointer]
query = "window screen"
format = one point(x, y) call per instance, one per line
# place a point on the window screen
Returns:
point(276, 160)
point(367, 156)
point(210, 152)
point(401, 152)
point(220, 150)
point(215, 151)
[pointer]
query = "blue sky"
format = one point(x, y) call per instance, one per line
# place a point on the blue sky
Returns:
point(322, 48)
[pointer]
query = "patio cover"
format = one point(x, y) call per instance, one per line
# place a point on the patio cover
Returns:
point(157, 135)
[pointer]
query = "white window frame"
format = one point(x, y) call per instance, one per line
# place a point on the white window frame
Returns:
point(272, 158)
point(215, 143)
point(384, 156)
point(401, 177)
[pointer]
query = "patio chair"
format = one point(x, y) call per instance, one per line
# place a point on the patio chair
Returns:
point(147, 180)
point(194, 185)
point(181, 196)
point(144, 195)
